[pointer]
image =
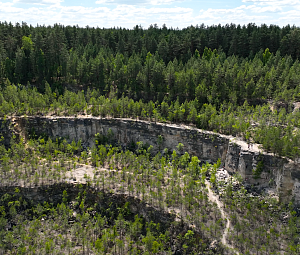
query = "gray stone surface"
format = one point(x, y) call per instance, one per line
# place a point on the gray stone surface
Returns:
point(205, 145)
point(6, 132)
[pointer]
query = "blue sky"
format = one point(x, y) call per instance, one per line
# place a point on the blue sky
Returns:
point(128, 13)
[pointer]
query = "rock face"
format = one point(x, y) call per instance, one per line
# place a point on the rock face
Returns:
point(6, 132)
point(257, 168)
point(206, 145)
point(265, 171)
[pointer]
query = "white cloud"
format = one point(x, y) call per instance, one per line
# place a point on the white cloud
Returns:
point(159, 2)
point(126, 2)
point(138, 2)
point(291, 17)
point(265, 9)
point(122, 15)
point(39, 2)
point(274, 2)
point(128, 15)
point(239, 15)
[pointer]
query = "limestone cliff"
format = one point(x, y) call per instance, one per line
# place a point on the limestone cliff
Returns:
point(260, 169)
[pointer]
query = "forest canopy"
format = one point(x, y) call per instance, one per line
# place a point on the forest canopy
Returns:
point(156, 60)
point(221, 78)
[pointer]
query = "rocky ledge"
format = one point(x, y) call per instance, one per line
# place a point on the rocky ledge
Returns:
point(259, 169)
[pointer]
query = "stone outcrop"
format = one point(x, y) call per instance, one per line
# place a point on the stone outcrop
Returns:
point(6, 131)
point(207, 146)
point(257, 168)
point(264, 170)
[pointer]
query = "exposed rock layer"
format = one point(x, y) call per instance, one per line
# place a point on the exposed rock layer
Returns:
point(277, 173)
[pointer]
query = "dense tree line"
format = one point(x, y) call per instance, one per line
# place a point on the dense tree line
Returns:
point(156, 62)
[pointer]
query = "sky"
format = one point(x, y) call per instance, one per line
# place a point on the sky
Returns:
point(129, 13)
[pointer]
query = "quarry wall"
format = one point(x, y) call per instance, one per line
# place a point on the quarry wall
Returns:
point(279, 175)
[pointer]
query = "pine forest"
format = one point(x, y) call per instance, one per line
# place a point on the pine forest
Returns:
point(60, 196)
